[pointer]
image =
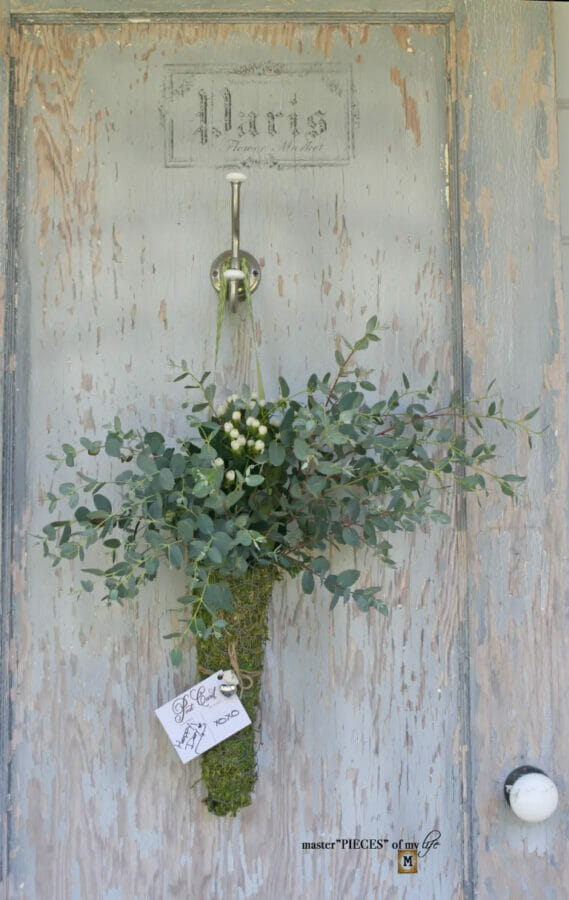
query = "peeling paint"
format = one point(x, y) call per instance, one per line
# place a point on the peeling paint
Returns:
point(530, 86)
point(402, 34)
point(513, 320)
point(409, 105)
point(512, 268)
point(497, 97)
point(426, 602)
point(354, 645)
point(485, 207)
point(325, 35)
point(464, 56)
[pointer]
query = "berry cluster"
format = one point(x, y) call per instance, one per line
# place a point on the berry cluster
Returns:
point(245, 429)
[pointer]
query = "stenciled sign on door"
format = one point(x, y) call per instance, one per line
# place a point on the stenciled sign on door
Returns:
point(258, 114)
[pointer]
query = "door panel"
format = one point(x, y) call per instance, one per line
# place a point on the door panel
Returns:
point(514, 314)
point(124, 206)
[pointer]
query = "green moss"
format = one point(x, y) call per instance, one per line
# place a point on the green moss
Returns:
point(229, 770)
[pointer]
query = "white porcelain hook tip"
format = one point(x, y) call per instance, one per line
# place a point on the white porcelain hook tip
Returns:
point(236, 177)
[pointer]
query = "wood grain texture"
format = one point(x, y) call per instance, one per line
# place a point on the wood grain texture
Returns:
point(360, 726)
point(113, 281)
point(5, 412)
point(514, 331)
point(561, 40)
point(37, 8)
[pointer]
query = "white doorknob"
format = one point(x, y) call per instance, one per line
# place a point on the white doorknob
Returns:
point(531, 794)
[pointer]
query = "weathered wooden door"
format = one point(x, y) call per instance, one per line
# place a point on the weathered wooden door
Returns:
point(365, 138)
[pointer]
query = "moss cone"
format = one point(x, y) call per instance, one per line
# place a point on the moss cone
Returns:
point(229, 769)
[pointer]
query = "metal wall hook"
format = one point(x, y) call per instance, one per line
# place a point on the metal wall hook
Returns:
point(228, 264)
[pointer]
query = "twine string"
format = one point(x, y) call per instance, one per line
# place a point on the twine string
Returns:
point(245, 678)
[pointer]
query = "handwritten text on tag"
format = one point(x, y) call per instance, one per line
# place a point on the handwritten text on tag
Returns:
point(202, 717)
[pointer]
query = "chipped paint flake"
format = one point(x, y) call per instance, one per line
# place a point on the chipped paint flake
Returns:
point(512, 268)
point(163, 314)
point(497, 96)
point(464, 56)
point(402, 34)
point(325, 35)
point(485, 206)
point(409, 105)
point(530, 86)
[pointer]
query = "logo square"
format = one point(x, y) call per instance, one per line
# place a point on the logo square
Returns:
point(407, 862)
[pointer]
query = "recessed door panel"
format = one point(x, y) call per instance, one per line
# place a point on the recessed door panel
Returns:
point(125, 135)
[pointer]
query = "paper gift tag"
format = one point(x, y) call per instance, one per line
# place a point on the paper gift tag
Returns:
point(202, 717)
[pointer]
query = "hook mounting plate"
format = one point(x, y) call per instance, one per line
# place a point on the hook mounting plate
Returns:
point(225, 259)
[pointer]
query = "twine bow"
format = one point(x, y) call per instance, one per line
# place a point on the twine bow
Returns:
point(245, 678)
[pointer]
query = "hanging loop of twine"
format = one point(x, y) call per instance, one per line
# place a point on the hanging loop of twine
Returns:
point(245, 678)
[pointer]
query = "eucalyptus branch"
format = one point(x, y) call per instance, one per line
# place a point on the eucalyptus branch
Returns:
point(252, 483)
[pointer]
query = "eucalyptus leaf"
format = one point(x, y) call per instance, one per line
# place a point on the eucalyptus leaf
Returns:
point(186, 530)
point(277, 453)
point(285, 390)
point(176, 656)
point(146, 464)
point(102, 503)
point(307, 581)
point(113, 445)
point(176, 555)
point(201, 489)
point(348, 577)
point(300, 448)
point(254, 480)
point(166, 479)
